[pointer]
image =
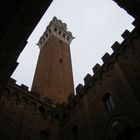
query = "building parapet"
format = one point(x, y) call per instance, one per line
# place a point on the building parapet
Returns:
point(107, 61)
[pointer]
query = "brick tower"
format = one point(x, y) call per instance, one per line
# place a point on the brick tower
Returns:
point(53, 77)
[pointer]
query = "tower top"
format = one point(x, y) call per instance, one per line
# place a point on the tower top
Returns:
point(57, 28)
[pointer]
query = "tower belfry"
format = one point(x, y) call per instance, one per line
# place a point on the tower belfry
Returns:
point(53, 76)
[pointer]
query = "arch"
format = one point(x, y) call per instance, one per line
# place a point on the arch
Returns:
point(119, 128)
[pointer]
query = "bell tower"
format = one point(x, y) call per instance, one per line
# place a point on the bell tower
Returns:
point(53, 76)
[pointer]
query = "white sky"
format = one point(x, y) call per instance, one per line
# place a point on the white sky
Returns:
point(96, 24)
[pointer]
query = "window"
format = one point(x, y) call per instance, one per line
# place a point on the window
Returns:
point(41, 109)
point(75, 132)
point(108, 102)
point(42, 40)
point(46, 35)
point(49, 30)
point(55, 29)
point(59, 32)
point(60, 60)
point(61, 41)
point(64, 35)
point(122, 130)
point(68, 38)
point(44, 135)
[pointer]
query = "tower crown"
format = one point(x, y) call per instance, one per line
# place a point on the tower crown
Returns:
point(57, 28)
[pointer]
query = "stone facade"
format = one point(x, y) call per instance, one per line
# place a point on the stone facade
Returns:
point(24, 117)
point(105, 108)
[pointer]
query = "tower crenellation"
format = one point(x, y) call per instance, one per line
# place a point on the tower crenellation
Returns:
point(58, 29)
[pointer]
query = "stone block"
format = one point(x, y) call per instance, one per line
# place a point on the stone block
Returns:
point(87, 78)
point(106, 57)
point(115, 46)
point(125, 34)
point(96, 68)
point(24, 87)
point(79, 87)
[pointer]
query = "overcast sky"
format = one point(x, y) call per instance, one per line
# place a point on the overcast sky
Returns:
point(95, 24)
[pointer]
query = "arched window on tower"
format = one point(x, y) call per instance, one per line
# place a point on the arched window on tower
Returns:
point(55, 29)
point(108, 102)
point(64, 35)
point(59, 33)
point(68, 38)
point(46, 35)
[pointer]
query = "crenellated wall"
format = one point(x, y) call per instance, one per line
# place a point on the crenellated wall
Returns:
point(107, 106)
point(24, 117)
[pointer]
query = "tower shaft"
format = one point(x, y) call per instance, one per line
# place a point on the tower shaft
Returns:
point(53, 76)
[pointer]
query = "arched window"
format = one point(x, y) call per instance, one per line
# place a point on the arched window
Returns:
point(49, 30)
point(121, 130)
point(68, 38)
point(64, 35)
point(44, 135)
point(75, 132)
point(59, 32)
point(55, 29)
point(46, 35)
point(108, 102)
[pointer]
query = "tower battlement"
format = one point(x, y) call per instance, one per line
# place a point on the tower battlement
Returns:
point(57, 28)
